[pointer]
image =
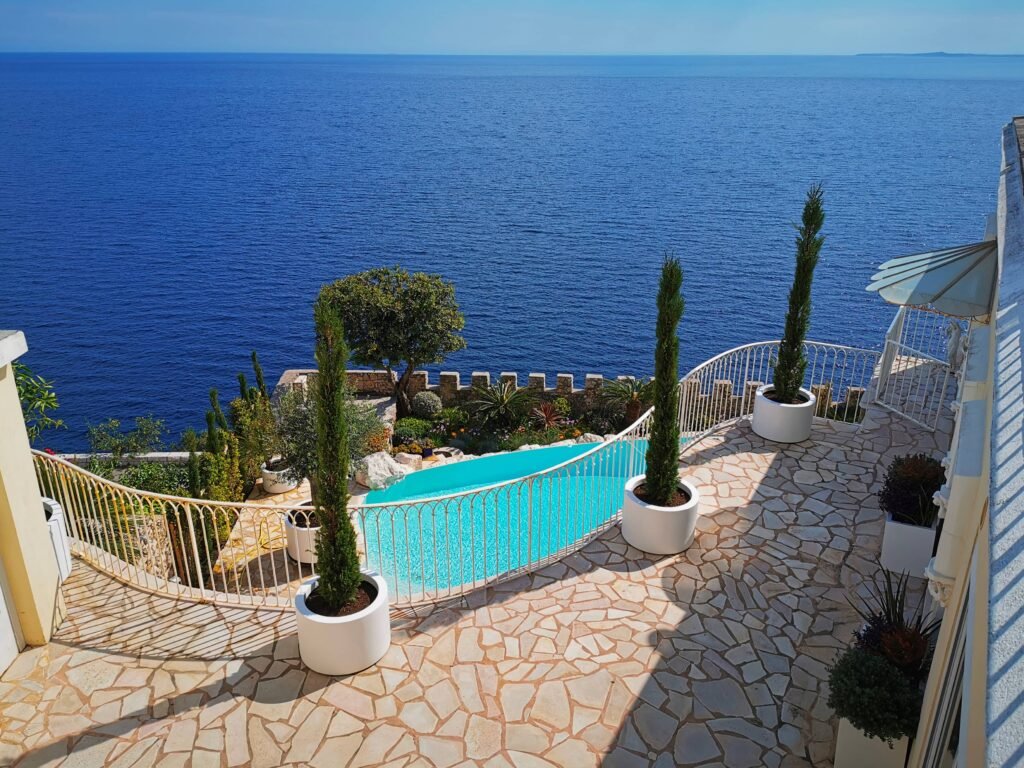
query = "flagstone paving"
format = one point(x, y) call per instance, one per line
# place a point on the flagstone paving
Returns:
point(716, 657)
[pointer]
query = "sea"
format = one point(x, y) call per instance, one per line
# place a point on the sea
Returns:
point(161, 216)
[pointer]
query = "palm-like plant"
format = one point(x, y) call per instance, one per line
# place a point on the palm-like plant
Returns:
point(630, 394)
point(546, 415)
point(502, 403)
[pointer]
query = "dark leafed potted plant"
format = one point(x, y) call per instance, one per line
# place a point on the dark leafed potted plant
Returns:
point(342, 613)
point(659, 510)
point(876, 685)
point(784, 409)
point(906, 497)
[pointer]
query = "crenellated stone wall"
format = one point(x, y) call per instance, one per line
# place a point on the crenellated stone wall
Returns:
point(450, 385)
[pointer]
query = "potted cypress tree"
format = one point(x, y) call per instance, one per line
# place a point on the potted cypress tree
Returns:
point(659, 511)
point(342, 613)
point(784, 409)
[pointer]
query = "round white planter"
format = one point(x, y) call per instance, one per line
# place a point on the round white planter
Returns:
point(659, 530)
point(782, 422)
point(300, 542)
point(276, 481)
point(343, 645)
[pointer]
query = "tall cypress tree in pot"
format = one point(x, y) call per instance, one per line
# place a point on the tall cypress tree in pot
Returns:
point(342, 614)
point(784, 410)
point(659, 509)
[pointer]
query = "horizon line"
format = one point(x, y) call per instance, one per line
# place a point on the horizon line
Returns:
point(919, 54)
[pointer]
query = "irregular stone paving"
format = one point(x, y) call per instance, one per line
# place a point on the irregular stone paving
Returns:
point(716, 657)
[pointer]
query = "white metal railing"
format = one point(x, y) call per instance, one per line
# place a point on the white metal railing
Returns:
point(917, 373)
point(427, 549)
point(723, 388)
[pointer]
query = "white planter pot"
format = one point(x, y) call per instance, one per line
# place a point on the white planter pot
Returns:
point(58, 526)
point(300, 542)
point(276, 480)
point(855, 750)
point(659, 530)
point(344, 645)
point(782, 422)
point(907, 547)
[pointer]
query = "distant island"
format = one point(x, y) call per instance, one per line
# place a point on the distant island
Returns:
point(941, 54)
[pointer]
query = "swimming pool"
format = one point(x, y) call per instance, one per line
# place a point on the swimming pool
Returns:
point(459, 524)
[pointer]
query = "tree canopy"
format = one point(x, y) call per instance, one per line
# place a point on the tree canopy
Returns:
point(397, 321)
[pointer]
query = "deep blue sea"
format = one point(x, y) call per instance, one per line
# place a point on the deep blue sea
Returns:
point(161, 216)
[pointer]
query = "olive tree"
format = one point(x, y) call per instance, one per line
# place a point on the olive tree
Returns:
point(397, 321)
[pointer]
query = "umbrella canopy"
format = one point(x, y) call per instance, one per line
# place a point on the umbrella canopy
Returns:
point(955, 281)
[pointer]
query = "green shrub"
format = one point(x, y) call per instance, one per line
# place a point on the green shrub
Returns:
point(502, 404)
point(910, 482)
point(870, 692)
point(37, 398)
point(563, 406)
point(171, 479)
point(411, 428)
point(145, 437)
point(452, 419)
point(426, 405)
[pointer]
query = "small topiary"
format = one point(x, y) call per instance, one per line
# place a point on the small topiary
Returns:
point(873, 695)
point(410, 429)
point(426, 405)
point(910, 482)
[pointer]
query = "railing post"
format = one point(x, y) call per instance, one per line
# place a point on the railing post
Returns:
point(892, 338)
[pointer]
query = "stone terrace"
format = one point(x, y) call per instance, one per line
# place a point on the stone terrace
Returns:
point(714, 657)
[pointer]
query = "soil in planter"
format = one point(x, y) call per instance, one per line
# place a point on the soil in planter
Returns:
point(365, 595)
point(303, 520)
point(276, 465)
point(677, 499)
point(800, 398)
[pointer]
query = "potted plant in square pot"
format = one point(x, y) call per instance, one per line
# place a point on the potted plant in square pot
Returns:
point(660, 509)
point(342, 613)
point(784, 410)
point(907, 498)
point(876, 685)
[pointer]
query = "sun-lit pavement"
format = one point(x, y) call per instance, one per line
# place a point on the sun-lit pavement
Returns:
point(715, 657)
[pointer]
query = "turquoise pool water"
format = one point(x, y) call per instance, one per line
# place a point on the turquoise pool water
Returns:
point(436, 546)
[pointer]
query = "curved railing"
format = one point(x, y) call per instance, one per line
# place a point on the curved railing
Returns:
point(723, 387)
point(426, 549)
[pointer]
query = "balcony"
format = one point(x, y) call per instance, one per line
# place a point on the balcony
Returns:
point(602, 657)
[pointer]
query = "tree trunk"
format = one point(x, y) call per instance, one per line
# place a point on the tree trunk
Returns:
point(403, 405)
point(633, 412)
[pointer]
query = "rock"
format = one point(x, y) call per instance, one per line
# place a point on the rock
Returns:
point(560, 444)
point(608, 438)
point(528, 447)
point(590, 437)
point(379, 470)
point(413, 460)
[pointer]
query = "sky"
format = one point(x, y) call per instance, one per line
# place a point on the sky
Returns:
point(514, 26)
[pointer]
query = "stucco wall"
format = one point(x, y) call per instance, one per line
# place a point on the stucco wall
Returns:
point(1005, 708)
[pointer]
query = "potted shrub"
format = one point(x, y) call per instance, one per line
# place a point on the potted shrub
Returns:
point(659, 511)
point(427, 447)
point(784, 409)
point(296, 417)
point(342, 613)
point(876, 685)
point(906, 497)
